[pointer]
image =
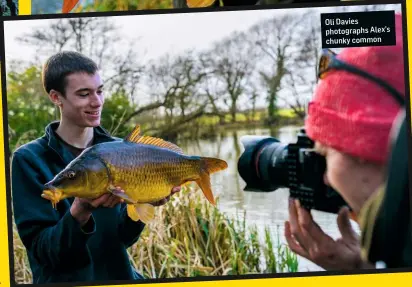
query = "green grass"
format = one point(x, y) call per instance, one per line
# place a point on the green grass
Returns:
point(286, 113)
point(189, 238)
point(259, 116)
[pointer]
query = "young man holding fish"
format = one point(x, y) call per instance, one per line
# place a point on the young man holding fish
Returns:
point(81, 240)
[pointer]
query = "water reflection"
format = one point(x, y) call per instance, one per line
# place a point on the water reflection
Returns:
point(262, 209)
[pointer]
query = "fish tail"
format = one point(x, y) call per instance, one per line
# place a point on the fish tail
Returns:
point(212, 165)
point(209, 166)
point(204, 183)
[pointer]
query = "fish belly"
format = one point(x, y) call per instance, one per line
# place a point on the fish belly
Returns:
point(148, 173)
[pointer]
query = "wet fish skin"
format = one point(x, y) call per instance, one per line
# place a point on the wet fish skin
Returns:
point(145, 168)
point(147, 173)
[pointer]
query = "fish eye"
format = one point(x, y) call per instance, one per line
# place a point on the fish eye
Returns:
point(71, 174)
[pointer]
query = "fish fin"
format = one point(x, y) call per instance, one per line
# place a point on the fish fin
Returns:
point(145, 212)
point(209, 165)
point(135, 137)
point(204, 183)
point(160, 143)
point(68, 5)
point(212, 165)
point(123, 196)
point(132, 212)
point(134, 134)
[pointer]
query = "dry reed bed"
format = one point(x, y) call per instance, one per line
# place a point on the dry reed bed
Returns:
point(188, 238)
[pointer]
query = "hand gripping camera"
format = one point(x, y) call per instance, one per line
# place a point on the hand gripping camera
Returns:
point(267, 165)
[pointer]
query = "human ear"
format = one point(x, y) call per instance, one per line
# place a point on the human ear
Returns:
point(55, 97)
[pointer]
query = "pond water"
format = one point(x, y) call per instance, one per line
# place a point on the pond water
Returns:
point(262, 209)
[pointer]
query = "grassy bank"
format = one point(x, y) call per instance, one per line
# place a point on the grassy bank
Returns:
point(209, 126)
point(190, 238)
point(258, 117)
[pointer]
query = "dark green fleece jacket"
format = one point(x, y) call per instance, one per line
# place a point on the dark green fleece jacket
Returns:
point(58, 249)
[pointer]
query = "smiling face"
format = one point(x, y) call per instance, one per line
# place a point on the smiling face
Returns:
point(83, 100)
point(73, 83)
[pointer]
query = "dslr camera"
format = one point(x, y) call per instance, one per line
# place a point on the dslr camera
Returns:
point(267, 165)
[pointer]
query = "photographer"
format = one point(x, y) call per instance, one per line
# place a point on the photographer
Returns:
point(351, 119)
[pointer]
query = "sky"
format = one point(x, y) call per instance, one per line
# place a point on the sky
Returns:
point(157, 35)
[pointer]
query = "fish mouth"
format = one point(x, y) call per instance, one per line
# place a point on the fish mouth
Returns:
point(52, 194)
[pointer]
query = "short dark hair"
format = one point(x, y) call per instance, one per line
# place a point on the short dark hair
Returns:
point(62, 64)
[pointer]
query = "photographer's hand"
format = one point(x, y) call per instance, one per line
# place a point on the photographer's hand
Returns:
point(308, 240)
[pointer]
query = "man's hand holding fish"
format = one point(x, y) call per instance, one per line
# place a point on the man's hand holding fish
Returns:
point(103, 190)
point(82, 208)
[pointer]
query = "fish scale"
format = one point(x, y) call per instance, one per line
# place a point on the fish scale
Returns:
point(148, 171)
point(146, 168)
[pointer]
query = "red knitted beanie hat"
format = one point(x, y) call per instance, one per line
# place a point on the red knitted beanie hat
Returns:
point(352, 114)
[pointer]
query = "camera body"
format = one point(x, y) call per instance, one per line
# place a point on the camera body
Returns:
point(267, 165)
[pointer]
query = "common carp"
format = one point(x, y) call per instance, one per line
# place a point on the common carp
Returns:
point(146, 168)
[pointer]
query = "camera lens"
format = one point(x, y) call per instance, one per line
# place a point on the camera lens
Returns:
point(263, 164)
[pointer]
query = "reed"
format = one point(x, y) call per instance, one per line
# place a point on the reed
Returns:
point(188, 238)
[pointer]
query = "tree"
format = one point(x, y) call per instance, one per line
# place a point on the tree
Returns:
point(97, 38)
point(300, 84)
point(233, 66)
point(29, 109)
point(276, 38)
point(175, 84)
